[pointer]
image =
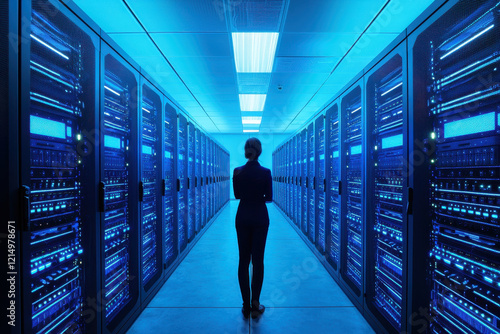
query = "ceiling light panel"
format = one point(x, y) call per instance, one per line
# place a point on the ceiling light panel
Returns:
point(252, 102)
point(254, 51)
point(250, 130)
point(251, 120)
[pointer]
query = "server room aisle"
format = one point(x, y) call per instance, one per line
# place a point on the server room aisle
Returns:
point(202, 295)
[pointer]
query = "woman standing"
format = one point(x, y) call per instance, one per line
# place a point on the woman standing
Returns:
point(252, 185)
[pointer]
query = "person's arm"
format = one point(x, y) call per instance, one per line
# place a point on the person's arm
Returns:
point(269, 187)
point(235, 185)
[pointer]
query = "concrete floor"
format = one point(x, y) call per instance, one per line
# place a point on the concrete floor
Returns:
point(203, 296)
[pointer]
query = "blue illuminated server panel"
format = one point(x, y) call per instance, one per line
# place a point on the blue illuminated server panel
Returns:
point(311, 180)
point(119, 177)
point(203, 179)
point(170, 249)
point(296, 172)
point(386, 188)
point(352, 221)
point(149, 186)
point(303, 178)
point(191, 202)
point(182, 213)
point(455, 74)
point(332, 224)
point(56, 172)
point(320, 182)
point(197, 184)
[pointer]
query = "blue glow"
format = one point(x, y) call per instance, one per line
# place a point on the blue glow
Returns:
point(112, 142)
point(356, 150)
point(112, 91)
point(467, 126)
point(393, 88)
point(46, 127)
point(467, 41)
point(393, 141)
point(168, 155)
point(68, 131)
point(147, 149)
point(249, 130)
point(254, 52)
point(252, 102)
point(335, 154)
point(181, 157)
point(49, 47)
point(251, 120)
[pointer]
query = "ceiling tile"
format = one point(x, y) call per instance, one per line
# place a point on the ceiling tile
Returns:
point(193, 45)
point(255, 15)
point(305, 64)
point(331, 16)
point(316, 44)
point(253, 83)
point(122, 20)
point(180, 16)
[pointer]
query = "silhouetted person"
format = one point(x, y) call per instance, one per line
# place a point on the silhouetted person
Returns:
point(252, 185)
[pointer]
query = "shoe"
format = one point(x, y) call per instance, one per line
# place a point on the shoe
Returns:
point(256, 311)
point(246, 311)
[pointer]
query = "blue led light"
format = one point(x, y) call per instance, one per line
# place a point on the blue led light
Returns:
point(356, 149)
point(168, 155)
point(335, 154)
point(112, 142)
point(393, 141)
point(46, 127)
point(471, 125)
point(147, 149)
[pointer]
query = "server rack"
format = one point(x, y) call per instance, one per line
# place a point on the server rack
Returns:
point(210, 177)
point(119, 189)
point(320, 183)
point(58, 106)
point(203, 183)
point(303, 182)
point(311, 184)
point(170, 242)
point(191, 208)
point(386, 189)
point(334, 186)
point(352, 204)
point(197, 184)
point(296, 170)
point(182, 182)
point(454, 71)
point(150, 188)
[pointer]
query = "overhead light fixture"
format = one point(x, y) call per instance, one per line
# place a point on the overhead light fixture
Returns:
point(252, 102)
point(251, 120)
point(254, 51)
point(250, 130)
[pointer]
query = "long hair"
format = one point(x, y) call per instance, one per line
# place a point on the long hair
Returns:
point(253, 149)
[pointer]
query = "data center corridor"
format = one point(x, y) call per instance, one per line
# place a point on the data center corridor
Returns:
point(202, 295)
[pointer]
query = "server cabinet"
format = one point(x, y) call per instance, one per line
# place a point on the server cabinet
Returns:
point(170, 243)
point(58, 170)
point(352, 203)
point(203, 176)
point(119, 189)
point(386, 189)
point(320, 182)
point(455, 109)
point(288, 189)
point(311, 184)
point(197, 177)
point(296, 172)
point(150, 187)
point(191, 208)
point(210, 195)
point(303, 178)
point(333, 189)
point(182, 176)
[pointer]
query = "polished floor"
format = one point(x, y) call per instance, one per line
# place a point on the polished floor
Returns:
point(202, 295)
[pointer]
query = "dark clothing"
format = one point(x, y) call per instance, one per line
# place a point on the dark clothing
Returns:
point(252, 184)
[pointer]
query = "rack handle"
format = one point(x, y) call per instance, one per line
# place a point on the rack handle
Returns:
point(102, 200)
point(340, 187)
point(178, 185)
point(409, 205)
point(163, 187)
point(141, 191)
point(25, 202)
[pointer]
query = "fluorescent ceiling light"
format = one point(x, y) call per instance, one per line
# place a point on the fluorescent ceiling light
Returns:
point(252, 102)
point(254, 51)
point(251, 120)
point(248, 130)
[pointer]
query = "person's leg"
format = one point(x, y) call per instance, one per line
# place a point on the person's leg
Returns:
point(245, 248)
point(258, 246)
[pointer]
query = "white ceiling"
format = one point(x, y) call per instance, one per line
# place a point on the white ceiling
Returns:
point(186, 47)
